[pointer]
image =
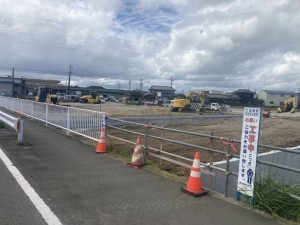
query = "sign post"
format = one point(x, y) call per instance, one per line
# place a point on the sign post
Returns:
point(248, 151)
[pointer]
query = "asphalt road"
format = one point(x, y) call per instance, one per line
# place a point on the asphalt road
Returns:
point(82, 187)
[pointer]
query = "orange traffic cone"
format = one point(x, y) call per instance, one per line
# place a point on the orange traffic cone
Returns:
point(101, 148)
point(194, 186)
point(137, 160)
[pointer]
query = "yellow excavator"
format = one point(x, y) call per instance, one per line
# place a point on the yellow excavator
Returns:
point(289, 105)
point(189, 103)
point(91, 98)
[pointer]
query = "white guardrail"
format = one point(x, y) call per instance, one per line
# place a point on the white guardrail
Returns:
point(82, 122)
point(15, 123)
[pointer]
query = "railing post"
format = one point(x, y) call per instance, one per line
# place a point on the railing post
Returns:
point(20, 131)
point(46, 114)
point(227, 172)
point(162, 134)
point(31, 110)
point(21, 106)
point(211, 158)
point(68, 122)
point(145, 152)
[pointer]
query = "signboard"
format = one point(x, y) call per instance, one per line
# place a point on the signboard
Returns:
point(248, 152)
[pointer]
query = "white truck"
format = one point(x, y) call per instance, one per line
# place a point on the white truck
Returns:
point(213, 107)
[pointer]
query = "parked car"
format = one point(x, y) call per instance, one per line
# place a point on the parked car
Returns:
point(71, 98)
point(60, 96)
point(213, 107)
point(102, 99)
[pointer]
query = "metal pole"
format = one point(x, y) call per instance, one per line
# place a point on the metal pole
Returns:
point(145, 143)
point(69, 80)
point(162, 134)
point(46, 114)
point(20, 132)
point(227, 171)
point(211, 159)
point(68, 122)
point(13, 83)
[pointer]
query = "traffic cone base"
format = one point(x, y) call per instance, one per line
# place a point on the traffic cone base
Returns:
point(194, 194)
point(101, 148)
point(136, 166)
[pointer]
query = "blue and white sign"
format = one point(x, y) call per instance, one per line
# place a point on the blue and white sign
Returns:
point(248, 152)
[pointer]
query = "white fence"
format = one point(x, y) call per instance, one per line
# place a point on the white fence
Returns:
point(79, 121)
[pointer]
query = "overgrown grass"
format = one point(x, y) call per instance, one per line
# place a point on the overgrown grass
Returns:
point(278, 199)
point(124, 154)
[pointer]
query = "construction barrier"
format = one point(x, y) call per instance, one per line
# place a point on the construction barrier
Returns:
point(225, 108)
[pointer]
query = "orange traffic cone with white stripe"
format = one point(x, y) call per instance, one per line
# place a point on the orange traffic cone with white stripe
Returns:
point(101, 148)
point(194, 185)
point(137, 160)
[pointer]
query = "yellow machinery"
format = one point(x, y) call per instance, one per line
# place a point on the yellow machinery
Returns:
point(51, 99)
point(44, 95)
point(92, 98)
point(189, 103)
point(180, 103)
point(289, 105)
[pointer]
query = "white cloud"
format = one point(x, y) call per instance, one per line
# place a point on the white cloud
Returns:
point(202, 44)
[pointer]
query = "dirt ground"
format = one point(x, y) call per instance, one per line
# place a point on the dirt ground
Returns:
point(282, 130)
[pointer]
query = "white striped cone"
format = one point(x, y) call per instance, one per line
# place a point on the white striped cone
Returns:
point(137, 157)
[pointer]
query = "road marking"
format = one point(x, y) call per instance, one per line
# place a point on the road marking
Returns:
point(261, 154)
point(40, 205)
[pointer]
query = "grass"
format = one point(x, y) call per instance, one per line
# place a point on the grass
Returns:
point(278, 199)
point(124, 154)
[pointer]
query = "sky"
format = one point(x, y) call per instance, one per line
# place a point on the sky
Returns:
point(127, 44)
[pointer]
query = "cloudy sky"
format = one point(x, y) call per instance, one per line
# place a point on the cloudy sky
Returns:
point(201, 44)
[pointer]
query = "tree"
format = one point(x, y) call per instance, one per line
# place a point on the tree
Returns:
point(136, 95)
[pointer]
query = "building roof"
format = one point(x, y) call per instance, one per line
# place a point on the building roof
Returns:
point(244, 91)
point(162, 88)
point(95, 87)
point(278, 92)
point(40, 80)
point(222, 96)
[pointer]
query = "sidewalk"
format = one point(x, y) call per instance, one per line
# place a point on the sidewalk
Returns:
point(82, 187)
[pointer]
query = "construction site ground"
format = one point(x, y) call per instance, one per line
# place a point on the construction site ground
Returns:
point(280, 129)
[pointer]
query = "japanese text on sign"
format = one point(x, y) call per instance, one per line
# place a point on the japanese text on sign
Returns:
point(248, 152)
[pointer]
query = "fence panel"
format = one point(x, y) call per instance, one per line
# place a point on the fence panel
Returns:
point(79, 121)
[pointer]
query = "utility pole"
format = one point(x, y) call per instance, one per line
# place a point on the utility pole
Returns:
point(172, 81)
point(13, 83)
point(141, 85)
point(69, 80)
point(129, 82)
point(141, 88)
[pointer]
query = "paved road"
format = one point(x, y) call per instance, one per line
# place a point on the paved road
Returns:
point(81, 187)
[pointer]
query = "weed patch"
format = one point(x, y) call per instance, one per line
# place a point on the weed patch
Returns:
point(278, 199)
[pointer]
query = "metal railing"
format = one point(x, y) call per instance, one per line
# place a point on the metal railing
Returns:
point(82, 122)
point(211, 169)
point(15, 123)
point(88, 123)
